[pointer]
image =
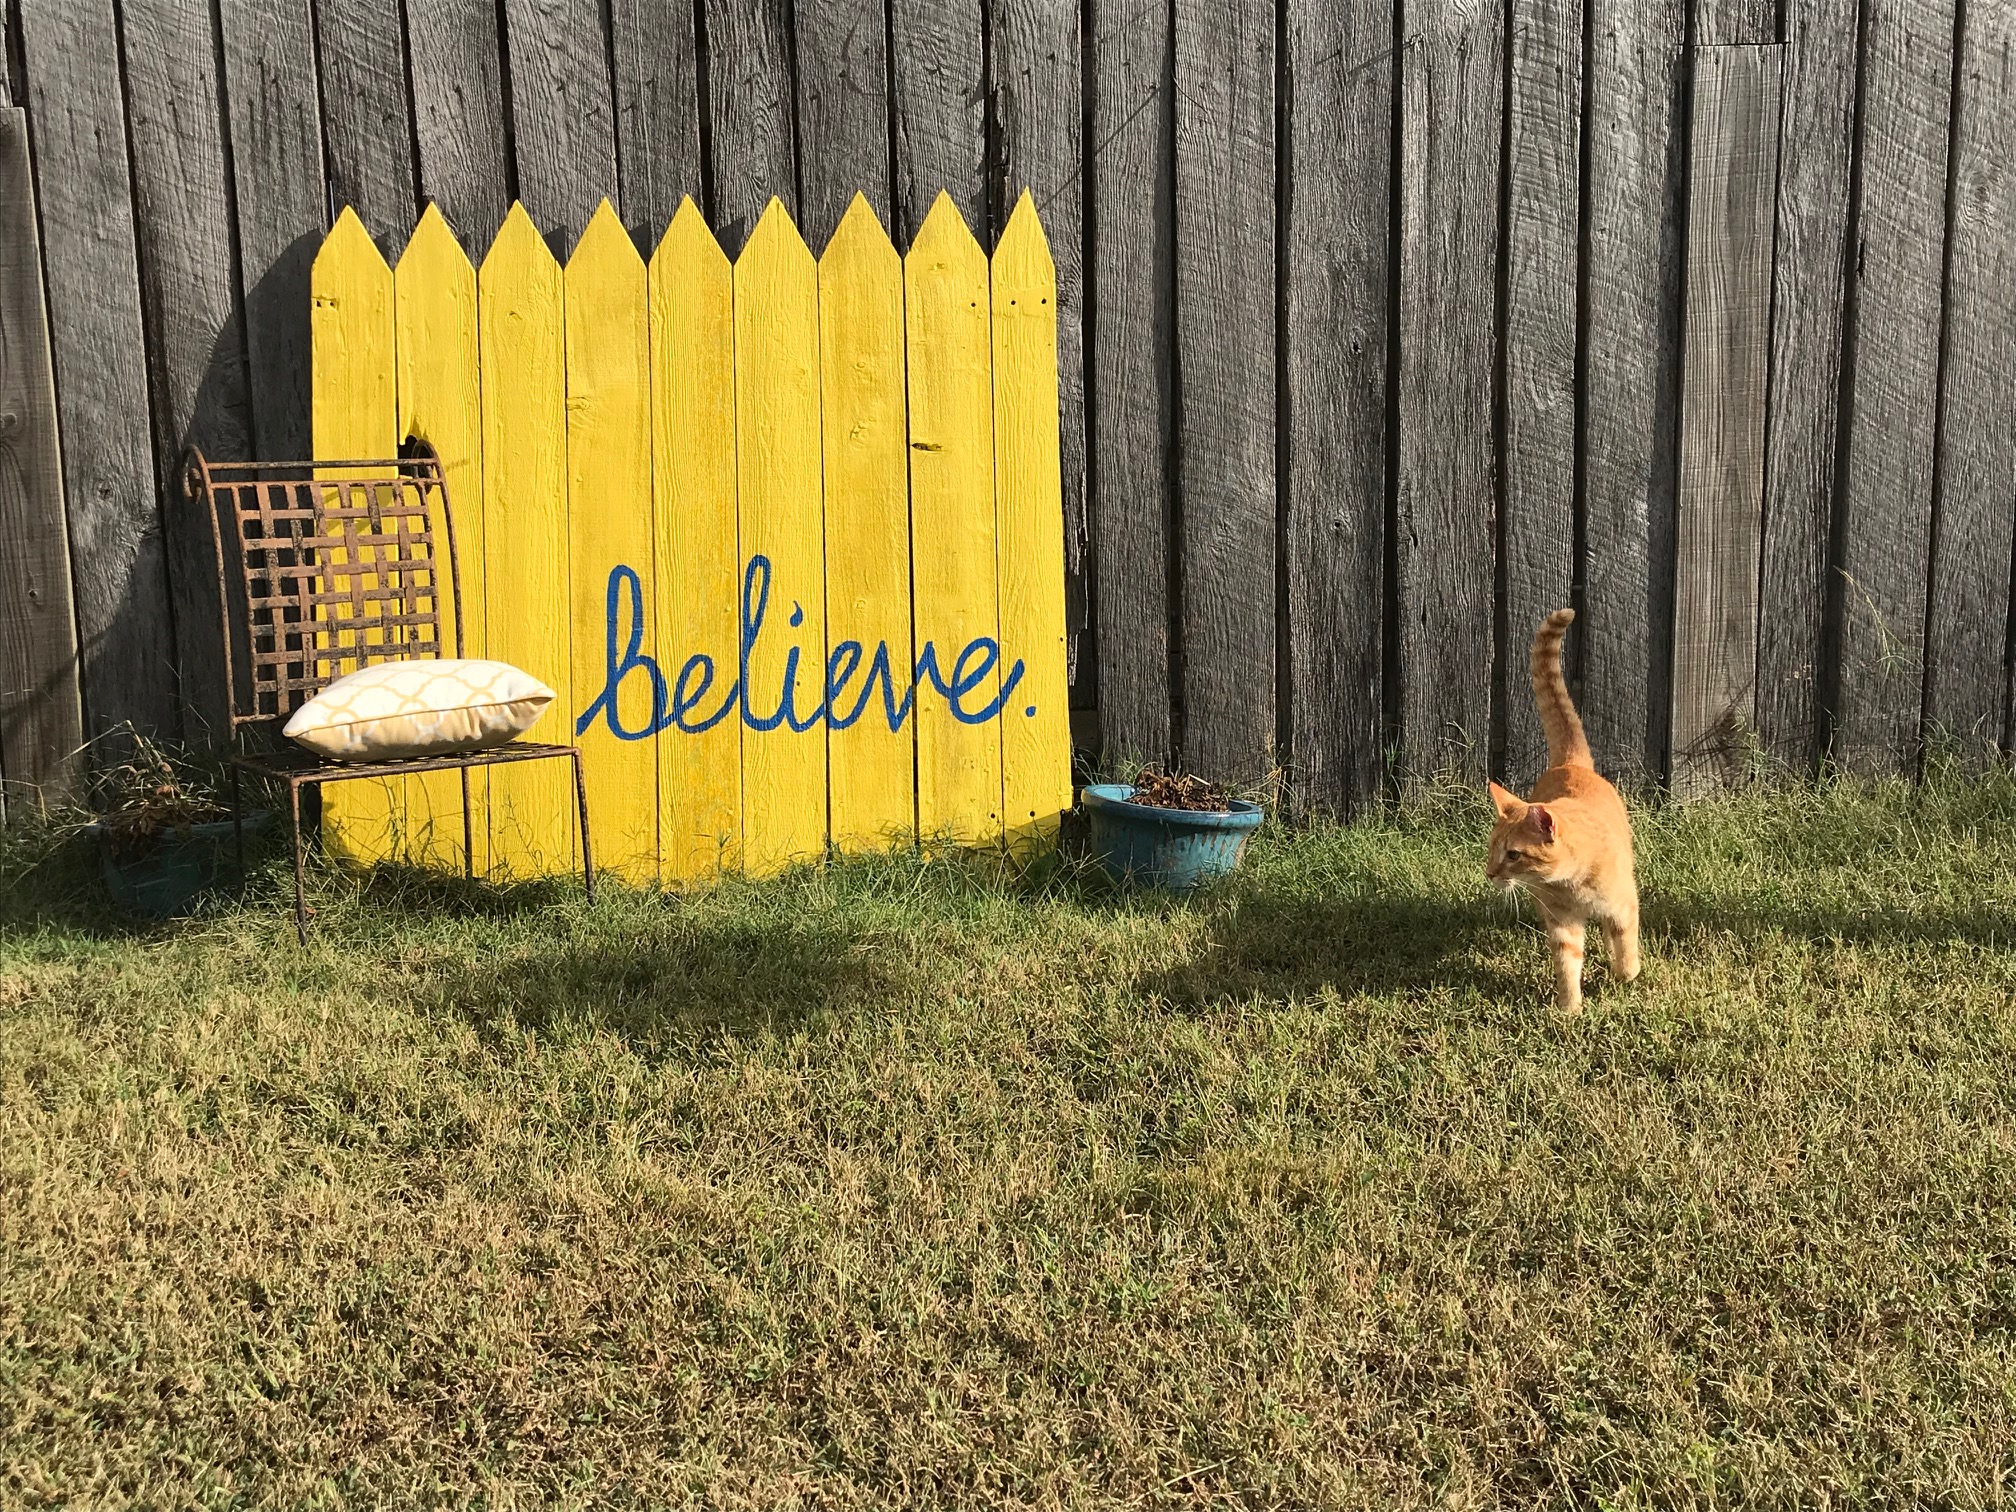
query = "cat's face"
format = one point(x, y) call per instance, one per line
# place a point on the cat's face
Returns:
point(1525, 846)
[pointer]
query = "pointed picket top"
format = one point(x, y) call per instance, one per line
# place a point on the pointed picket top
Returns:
point(348, 238)
point(945, 237)
point(776, 238)
point(688, 240)
point(1023, 249)
point(605, 238)
point(518, 240)
point(433, 244)
point(860, 233)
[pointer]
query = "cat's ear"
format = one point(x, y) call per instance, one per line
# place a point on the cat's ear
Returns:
point(1508, 803)
point(1541, 823)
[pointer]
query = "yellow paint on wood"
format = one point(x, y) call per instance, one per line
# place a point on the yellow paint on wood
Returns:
point(355, 415)
point(520, 313)
point(434, 291)
point(778, 462)
point(1029, 515)
point(952, 530)
point(698, 557)
point(873, 776)
point(609, 514)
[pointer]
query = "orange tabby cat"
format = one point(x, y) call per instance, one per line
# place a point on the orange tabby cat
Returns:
point(1570, 846)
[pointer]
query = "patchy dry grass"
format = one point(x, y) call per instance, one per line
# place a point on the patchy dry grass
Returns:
point(900, 1185)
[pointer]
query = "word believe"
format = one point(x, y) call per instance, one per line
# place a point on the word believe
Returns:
point(682, 704)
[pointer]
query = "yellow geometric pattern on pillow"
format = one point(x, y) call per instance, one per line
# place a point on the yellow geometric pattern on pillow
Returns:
point(398, 710)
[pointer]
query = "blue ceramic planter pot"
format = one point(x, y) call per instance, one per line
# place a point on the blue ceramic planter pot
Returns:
point(174, 873)
point(1160, 847)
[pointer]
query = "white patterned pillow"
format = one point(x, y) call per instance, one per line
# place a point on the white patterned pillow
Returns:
point(402, 709)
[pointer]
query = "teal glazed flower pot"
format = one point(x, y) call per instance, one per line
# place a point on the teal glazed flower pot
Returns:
point(174, 873)
point(1176, 849)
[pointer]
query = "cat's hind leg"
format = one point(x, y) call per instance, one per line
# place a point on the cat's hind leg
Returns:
point(1620, 936)
point(1567, 936)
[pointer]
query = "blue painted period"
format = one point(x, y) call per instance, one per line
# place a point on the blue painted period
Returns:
point(683, 704)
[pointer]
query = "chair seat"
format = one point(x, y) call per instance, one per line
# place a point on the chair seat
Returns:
point(297, 765)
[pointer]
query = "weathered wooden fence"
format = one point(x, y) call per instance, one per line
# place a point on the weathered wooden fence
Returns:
point(1383, 329)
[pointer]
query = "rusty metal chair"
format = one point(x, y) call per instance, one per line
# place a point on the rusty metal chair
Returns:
point(338, 569)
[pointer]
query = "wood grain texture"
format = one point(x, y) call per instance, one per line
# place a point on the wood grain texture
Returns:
point(1034, 56)
point(749, 105)
point(41, 713)
point(526, 570)
point(1129, 371)
point(367, 114)
point(1631, 368)
point(440, 403)
point(1886, 526)
point(777, 468)
point(1035, 719)
point(456, 66)
point(563, 127)
point(953, 541)
point(873, 777)
point(939, 67)
point(1732, 193)
point(699, 555)
point(1736, 23)
point(654, 59)
point(275, 144)
point(843, 111)
point(1450, 90)
point(609, 521)
point(1226, 358)
point(195, 324)
point(1816, 142)
point(118, 568)
point(1966, 686)
point(1542, 263)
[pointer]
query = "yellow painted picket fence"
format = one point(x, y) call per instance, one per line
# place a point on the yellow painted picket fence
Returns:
point(785, 536)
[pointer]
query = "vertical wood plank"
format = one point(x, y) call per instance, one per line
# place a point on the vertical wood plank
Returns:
point(1631, 364)
point(434, 312)
point(873, 767)
point(1886, 529)
point(367, 113)
point(1450, 87)
point(1130, 397)
point(1732, 196)
point(1035, 718)
point(1034, 57)
point(119, 573)
point(189, 287)
point(526, 570)
point(940, 106)
point(1542, 264)
point(275, 139)
point(783, 616)
point(612, 541)
point(1966, 684)
point(843, 111)
point(355, 414)
point(563, 129)
point(41, 716)
point(458, 113)
point(749, 108)
point(1225, 354)
point(952, 528)
point(699, 556)
point(657, 73)
point(1738, 23)
point(1338, 183)
point(1815, 144)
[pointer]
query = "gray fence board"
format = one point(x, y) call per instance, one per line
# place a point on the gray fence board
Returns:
point(1451, 83)
point(938, 65)
point(458, 115)
point(657, 113)
point(1732, 198)
point(118, 571)
point(1886, 525)
point(1338, 168)
point(41, 716)
point(1542, 223)
point(843, 111)
point(563, 125)
point(750, 114)
point(367, 115)
point(1736, 23)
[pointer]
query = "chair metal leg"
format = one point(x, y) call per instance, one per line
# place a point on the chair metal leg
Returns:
point(300, 877)
point(468, 832)
point(238, 827)
point(581, 802)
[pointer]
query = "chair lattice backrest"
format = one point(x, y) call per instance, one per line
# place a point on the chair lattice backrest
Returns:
point(338, 569)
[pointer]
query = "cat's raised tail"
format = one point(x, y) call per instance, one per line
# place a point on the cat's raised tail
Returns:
point(1566, 744)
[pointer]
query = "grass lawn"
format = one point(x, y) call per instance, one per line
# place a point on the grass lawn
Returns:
point(906, 1185)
